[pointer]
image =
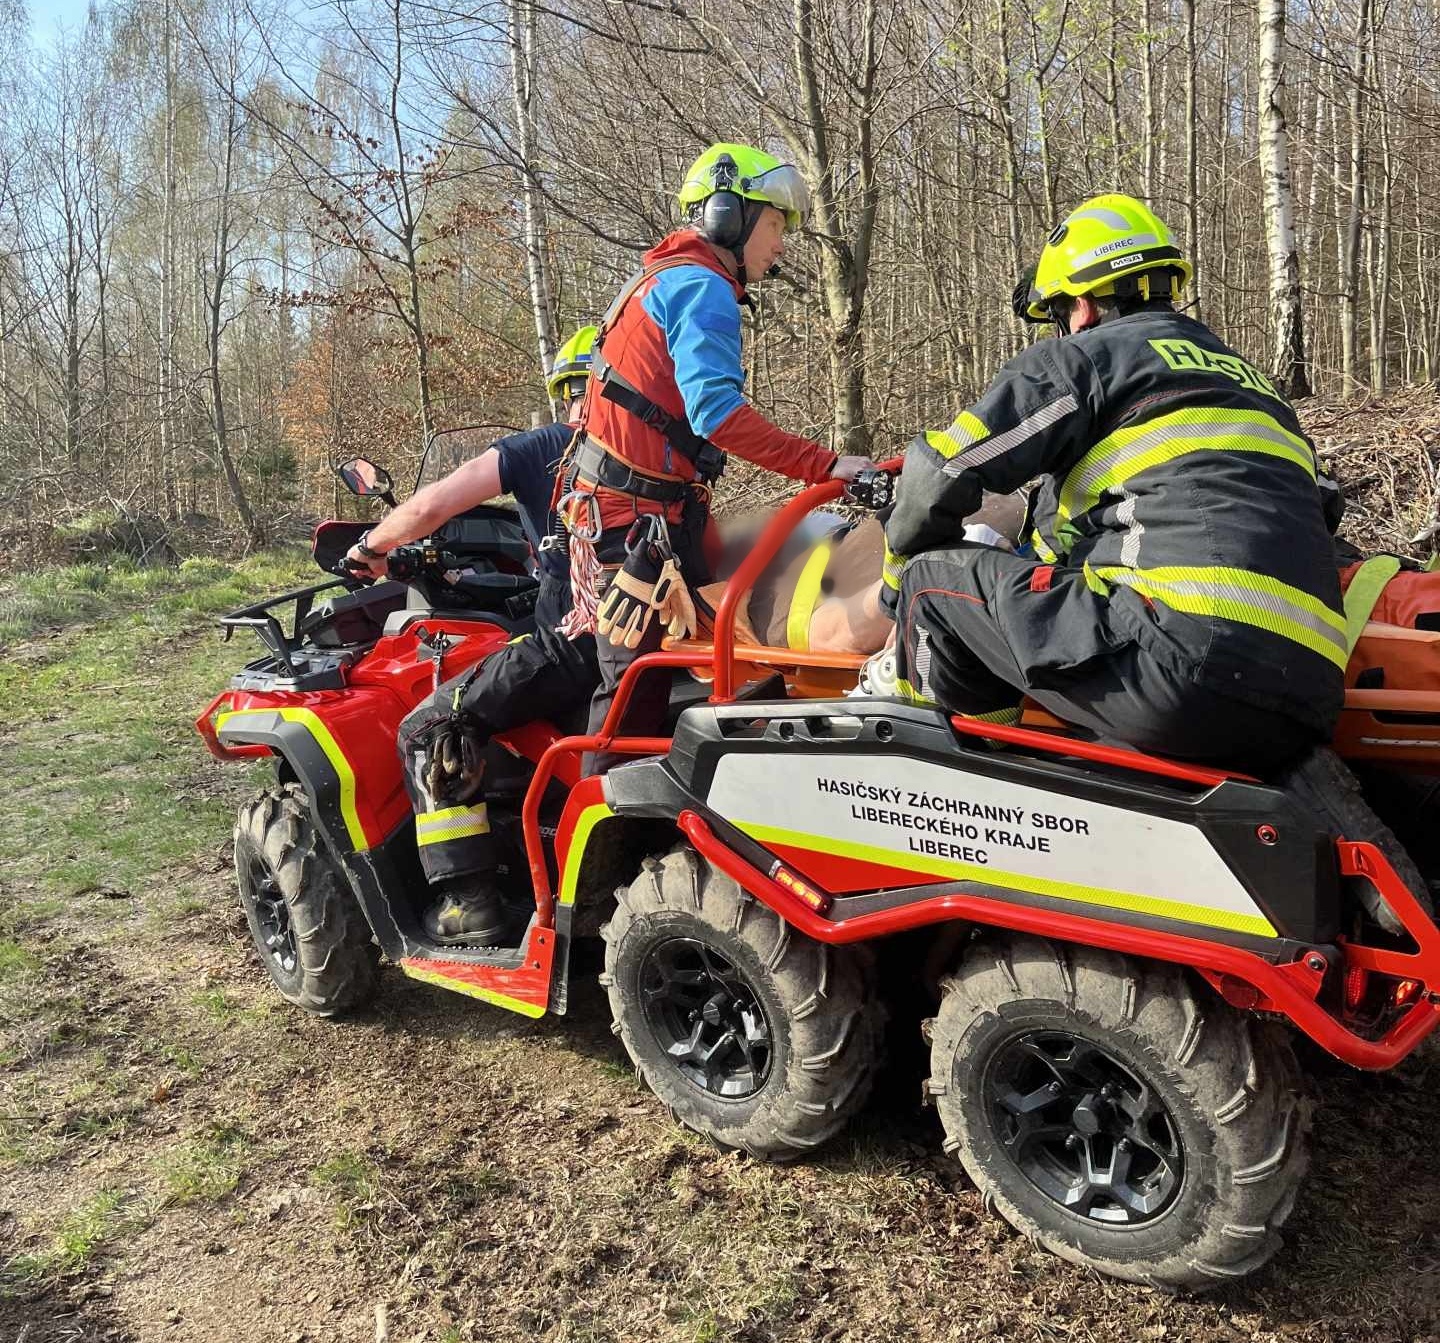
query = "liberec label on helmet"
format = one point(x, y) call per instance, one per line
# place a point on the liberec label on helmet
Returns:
point(904, 821)
point(1185, 356)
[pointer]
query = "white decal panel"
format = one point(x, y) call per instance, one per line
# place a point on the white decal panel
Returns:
point(927, 819)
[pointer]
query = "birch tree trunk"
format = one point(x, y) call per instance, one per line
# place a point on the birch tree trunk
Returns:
point(1286, 313)
point(521, 25)
point(168, 380)
point(1350, 267)
point(1192, 162)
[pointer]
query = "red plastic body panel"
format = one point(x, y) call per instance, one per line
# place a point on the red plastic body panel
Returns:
point(524, 989)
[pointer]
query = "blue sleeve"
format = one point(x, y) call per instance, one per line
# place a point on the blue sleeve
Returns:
point(696, 310)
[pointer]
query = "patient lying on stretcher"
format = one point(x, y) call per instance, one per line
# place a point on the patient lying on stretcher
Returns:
point(821, 594)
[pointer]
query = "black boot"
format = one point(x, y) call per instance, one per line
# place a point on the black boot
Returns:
point(468, 910)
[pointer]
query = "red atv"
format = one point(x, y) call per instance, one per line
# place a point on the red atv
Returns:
point(1117, 943)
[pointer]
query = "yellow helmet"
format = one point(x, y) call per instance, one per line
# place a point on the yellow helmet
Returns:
point(1107, 239)
point(731, 171)
point(572, 362)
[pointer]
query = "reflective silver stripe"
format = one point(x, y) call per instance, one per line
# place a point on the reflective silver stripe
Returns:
point(1130, 546)
point(1130, 244)
point(465, 820)
point(1031, 425)
point(1271, 602)
point(1078, 485)
point(1111, 218)
point(922, 660)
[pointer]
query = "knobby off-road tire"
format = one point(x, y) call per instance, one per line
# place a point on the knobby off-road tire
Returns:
point(1227, 1085)
point(303, 917)
point(1326, 785)
point(793, 1028)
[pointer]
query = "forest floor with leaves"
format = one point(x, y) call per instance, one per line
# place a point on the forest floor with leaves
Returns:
point(185, 1157)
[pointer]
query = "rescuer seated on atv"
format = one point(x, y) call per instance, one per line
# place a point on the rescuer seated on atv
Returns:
point(667, 404)
point(442, 740)
point(1186, 600)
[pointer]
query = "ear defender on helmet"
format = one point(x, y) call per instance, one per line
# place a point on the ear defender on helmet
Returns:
point(722, 218)
point(722, 215)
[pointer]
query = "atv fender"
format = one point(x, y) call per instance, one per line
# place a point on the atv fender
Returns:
point(308, 751)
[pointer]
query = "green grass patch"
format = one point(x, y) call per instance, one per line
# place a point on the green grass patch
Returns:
point(353, 1182)
point(72, 1245)
point(69, 594)
point(109, 782)
point(208, 1169)
point(15, 961)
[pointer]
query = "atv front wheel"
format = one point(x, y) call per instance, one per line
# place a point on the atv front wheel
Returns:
point(304, 921)
point(1113, 1117)
point(751, 1033)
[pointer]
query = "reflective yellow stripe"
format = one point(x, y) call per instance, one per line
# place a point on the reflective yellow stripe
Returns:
point(1154, 906)
point(1238, 595)
point(805, 596)
point(448, 813)
point(315, 726)
point(967, 429)
point(1366, 585)
point(1139, 447)
point(892, 568)
point(473, 990)
point(1041, 549)
point(570, 878)
point(1007, 717)
point(908, 691)
point(438, 827)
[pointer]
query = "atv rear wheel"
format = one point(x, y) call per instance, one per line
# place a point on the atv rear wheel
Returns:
point(1113, 1117)
point(751, 1033)
point(304, 921)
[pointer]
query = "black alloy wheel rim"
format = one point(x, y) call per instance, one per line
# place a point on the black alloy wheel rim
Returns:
point(706, 1017)
point(276, 934)
point(1084, 1129)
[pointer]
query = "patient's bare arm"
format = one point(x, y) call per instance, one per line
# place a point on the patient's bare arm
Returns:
point(851, 624)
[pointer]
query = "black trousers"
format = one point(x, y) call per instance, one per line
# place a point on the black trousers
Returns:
point(539, 675)
point(979, 627)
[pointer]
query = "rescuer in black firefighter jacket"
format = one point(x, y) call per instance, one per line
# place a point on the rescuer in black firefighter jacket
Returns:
point(1185, 599)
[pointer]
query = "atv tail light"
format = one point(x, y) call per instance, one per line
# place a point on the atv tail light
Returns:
point(783, 877)
point(1357, 981)
point(1407, 991)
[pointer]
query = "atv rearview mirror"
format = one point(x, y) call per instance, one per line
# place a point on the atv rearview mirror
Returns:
point(365, 478)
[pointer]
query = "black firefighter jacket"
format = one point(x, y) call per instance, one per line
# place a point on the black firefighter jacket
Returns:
point(1177, 485)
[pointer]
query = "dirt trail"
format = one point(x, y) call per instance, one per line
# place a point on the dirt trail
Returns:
point(182, 1157)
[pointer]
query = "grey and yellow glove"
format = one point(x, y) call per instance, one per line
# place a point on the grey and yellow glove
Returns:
point(890, 572)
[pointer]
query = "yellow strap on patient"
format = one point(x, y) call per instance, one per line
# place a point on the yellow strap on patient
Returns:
point(806, 597)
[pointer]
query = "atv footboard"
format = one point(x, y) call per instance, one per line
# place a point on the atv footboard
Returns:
point(859, 819)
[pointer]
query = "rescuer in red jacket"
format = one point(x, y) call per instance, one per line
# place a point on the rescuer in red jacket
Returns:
point(665, 406)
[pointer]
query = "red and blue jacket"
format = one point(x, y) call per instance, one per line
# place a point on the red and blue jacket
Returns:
point(678, 342)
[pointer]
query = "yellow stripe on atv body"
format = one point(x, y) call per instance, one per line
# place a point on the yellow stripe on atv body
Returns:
point(315, 726)
point(472, 990)
point(1154, 906)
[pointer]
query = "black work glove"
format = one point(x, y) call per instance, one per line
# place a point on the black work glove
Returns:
point(455, 765)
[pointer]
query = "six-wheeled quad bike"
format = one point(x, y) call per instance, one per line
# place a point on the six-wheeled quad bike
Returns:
point(1120, 947)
